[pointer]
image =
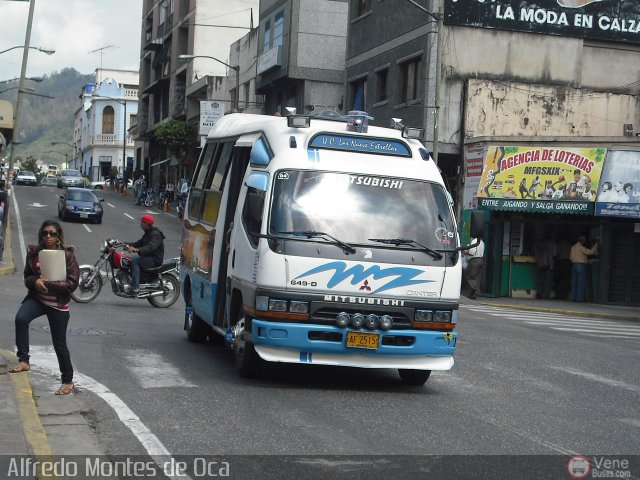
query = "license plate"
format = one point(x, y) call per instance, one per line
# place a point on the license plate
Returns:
point(84, 215)
point(363, 340)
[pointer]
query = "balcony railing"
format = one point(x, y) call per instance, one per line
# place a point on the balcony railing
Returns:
point(109, 139)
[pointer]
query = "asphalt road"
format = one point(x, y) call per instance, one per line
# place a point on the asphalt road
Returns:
point(517, 387)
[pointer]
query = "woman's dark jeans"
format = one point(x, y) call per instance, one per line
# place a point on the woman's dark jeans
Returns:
point(58, 321)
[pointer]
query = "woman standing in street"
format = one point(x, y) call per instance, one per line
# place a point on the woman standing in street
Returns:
point(50, 298)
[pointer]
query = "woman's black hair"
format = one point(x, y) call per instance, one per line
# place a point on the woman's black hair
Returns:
point(627, 185)
point(608, 183)
point(51, 223)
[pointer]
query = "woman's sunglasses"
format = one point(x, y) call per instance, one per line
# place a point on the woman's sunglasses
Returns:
point(48, 234)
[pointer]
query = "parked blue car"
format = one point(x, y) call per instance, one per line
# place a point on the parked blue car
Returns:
point(80, 203)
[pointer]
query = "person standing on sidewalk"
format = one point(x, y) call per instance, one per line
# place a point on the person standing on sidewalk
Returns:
point(579, 260)
point(50, 298)
point(475, 269)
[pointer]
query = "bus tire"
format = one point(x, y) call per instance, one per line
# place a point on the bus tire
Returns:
point(247, 359)
point(197, 329)
point(414, 377)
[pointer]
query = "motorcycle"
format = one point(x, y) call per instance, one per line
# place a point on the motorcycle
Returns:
point(159, 285)
point(149, 197)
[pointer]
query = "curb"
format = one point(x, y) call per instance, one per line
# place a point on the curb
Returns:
point(561, 311)
point(7, 267)
point(33, 430)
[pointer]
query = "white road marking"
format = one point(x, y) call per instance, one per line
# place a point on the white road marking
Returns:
point(127, 215)
point(44, 360)
point(112, 206)
point(152, 371)
point(37, 205)
point(584, 326)
point(86, 228)
point(597, 378)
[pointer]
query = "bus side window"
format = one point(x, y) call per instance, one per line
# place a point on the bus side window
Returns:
point(194, 208)
point(252, 214)
point(214, 184)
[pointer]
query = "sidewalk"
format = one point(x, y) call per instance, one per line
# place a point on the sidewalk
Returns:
point(563, 307)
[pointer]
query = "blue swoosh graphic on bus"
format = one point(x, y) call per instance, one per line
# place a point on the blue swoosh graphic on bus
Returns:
point(403, 276)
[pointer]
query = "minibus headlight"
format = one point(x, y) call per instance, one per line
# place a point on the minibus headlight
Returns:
point(299, 307)
point(276, 305)
point(455, 315)
point(443, 316)
point(357, 320)
point(343, 319)
point(424, 316)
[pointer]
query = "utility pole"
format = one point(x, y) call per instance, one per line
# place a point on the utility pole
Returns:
point(23, 74)
point(436, 120)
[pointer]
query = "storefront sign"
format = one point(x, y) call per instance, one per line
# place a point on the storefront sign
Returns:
point(540, 177)
point(474, 158)
point(539, 206)
point(612, 20)
point(619, 193)
point(210, 113)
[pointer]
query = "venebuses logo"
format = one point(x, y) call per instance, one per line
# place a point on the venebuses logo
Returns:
point(578, 466)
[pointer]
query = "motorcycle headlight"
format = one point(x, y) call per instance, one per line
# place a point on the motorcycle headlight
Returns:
point(103, 247)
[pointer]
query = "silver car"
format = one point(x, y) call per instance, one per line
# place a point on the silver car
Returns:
point(70, 178)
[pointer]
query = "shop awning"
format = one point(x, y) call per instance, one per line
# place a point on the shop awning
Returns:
point(536, 206)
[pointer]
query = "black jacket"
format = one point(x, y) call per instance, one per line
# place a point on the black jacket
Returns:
point(151, 245)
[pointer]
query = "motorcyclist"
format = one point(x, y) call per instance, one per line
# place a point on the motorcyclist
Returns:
point(148, 251)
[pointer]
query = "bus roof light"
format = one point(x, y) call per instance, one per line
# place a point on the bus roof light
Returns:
point(412, 132)
point(298, 121)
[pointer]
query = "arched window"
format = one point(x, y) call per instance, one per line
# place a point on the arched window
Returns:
point(108, 119)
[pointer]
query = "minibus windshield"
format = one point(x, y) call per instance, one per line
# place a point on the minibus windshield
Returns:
point(357, 208)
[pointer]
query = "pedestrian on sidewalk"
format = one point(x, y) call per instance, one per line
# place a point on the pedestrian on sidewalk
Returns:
point(475, 269)
point(579, 260)
point(50, 298)
point(171, 188)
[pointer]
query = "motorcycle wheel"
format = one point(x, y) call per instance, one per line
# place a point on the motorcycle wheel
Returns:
point(148, 202)
point(86, 293)
point(172, 292)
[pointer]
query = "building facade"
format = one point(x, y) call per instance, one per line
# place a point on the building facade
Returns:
point(301, 49)
point(109, 107)
point(537, 102)
point(170, 28)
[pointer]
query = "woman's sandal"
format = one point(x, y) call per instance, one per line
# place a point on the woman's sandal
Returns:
point(66, 389)
point(20, 367)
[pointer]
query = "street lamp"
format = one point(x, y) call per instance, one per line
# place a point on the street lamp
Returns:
point(23, 75)
point(75, 153)
point(236, 69)
point(34, 79)
point(48, 51)
point(66, 157)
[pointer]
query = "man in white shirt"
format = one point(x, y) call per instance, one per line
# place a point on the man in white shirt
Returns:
point(475, 270)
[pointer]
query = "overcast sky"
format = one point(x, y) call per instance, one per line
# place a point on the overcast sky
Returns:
point(73, 28)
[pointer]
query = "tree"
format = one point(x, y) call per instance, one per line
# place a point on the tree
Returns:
point(30, 165)
point(177, 137)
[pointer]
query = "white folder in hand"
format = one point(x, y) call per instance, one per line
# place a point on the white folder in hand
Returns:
point(53, 265)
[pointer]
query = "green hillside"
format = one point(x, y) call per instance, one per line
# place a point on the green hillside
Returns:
point(44, 120)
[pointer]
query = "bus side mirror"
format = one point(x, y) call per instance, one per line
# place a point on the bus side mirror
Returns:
point(477, 224)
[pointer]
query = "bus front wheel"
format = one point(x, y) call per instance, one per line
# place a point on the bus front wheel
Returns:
point(414, 377)
point(247, 360)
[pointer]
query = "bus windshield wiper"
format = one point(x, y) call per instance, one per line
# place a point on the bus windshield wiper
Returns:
point(407, 241)
point(314, 234)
